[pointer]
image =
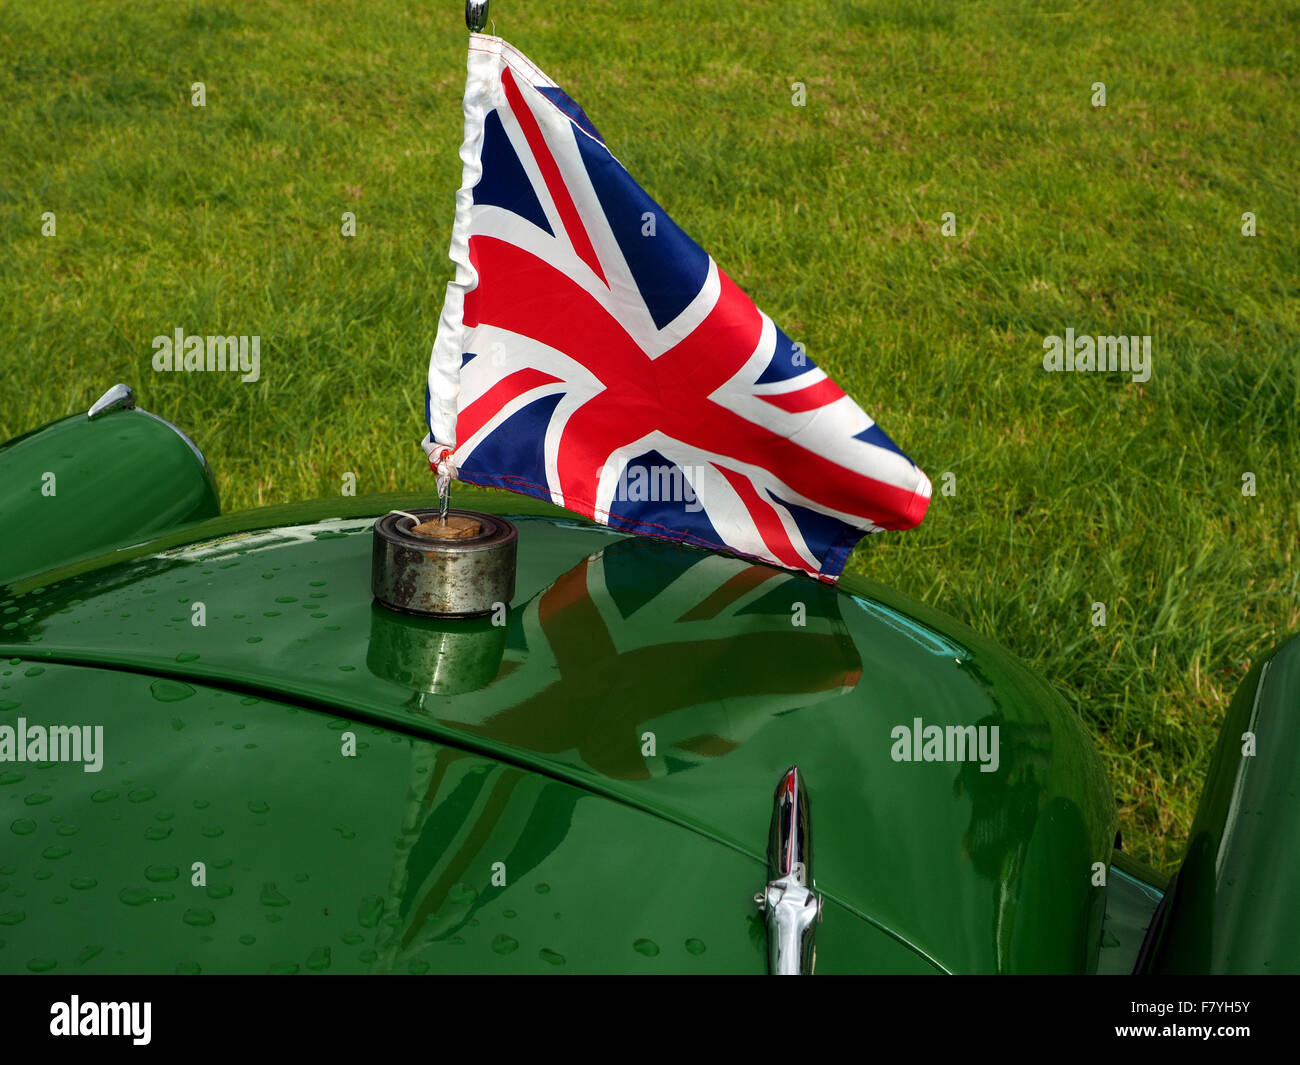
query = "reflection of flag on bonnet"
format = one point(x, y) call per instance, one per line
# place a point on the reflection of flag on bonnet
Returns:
point(592, 355)
point(697, 647)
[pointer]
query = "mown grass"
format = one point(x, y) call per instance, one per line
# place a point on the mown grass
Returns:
point(1070, 489)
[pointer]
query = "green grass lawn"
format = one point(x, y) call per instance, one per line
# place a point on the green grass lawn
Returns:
point(1070, 489)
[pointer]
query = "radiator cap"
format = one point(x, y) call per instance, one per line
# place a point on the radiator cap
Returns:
point(465, 568)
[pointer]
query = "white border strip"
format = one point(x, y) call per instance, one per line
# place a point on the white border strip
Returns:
point(483, 76)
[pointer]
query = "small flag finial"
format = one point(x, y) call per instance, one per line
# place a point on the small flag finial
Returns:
point(476, 13)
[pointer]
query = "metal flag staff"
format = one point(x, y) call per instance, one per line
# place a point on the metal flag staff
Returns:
point(440, 458)
point(445, 563)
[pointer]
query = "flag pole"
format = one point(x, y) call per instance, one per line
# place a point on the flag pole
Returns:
point(476, 13)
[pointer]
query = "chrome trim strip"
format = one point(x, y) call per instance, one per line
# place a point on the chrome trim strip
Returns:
point(183, 435)
point(122, 397)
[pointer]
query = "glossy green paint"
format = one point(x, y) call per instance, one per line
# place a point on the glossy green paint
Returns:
point(78, 487)
point(382, 863)
point(614, 643)
point(1232, 905)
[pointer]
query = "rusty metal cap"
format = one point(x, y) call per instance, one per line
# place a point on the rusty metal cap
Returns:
point(466, 577)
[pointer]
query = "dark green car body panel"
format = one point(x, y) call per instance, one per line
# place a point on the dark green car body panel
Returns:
point(1233, 904)
point(78, 487)
point(538, 755)
point(312, 862)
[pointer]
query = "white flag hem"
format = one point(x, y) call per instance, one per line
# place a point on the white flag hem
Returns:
point(481, 78)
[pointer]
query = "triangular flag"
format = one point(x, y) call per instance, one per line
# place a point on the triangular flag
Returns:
point(593, 355)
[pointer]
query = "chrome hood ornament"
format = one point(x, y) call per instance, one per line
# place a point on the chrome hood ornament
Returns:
point(792, 908)
point(119, 397)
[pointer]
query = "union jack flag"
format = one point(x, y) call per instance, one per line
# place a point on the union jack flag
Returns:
point(591, 354)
